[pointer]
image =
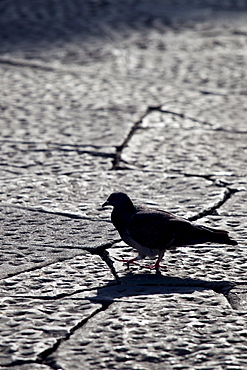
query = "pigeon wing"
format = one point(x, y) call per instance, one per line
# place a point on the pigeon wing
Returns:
point(153, 229)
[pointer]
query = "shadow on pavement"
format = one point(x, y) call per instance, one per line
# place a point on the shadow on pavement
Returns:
point(149, 284)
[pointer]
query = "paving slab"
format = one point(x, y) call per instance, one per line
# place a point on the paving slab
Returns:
point(47, 219)
point(169, 139)
point(80, 273)
point(81, 195)
point(149, 332)
point(144, 97)
point(30, 240)
point(31, 326)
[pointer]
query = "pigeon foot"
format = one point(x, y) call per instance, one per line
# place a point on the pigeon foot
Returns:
point(128, 262)
point(156, 266)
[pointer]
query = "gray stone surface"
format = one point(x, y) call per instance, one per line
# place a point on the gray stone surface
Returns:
point(32, 326)
point(169, 330)
point(138, 96)
point(173, 129)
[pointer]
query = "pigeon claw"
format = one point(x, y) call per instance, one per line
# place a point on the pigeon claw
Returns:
point(156, 266)
point(128, 262)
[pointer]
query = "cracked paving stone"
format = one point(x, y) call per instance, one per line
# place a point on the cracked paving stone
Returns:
point(189, 42)
point(62, 113)
point(38, 215)
point(157, 330)
point(31, 326)
point(82, 195)
point(60, 126)
point(210, 110)
point(52, 159)
point(166, 141)
point(80, 273)
point(30, 240)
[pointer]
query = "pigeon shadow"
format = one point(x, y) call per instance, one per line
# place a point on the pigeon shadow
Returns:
point(147, 284)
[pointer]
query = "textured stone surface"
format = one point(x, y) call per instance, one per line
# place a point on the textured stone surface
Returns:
point(30, 240)
point(138, 96)
point(31, 326)
point(182, 138)
point(59, 216)
point(167, 330)
point(27, 367)
point(79, 273)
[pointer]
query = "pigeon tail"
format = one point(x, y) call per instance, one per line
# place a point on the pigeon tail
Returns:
point(218, 236)
point(222, 237)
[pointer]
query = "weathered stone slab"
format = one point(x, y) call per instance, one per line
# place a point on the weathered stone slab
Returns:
point(83, 194)
point(47, 219)
point(30, 240)
point(65, 278)
point(31, 326)
point(37, 158)
point(196, 330)
point(167, 142)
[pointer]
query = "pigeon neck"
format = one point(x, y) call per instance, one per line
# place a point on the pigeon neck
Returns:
point(121, 215)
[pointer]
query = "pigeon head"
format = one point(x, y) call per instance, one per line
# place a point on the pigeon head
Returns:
point(119, 201)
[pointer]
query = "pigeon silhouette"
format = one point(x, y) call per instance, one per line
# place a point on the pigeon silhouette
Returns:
point(151, 232)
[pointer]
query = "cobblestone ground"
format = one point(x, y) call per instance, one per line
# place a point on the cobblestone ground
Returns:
point(145, 97)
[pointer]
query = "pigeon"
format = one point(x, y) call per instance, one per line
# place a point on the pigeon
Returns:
point(151, 232)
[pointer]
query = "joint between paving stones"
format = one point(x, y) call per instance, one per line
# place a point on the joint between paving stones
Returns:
point(183, 115)
point(213, 209)
point(43, 357)
point(46, 357)
point(37, 65)
point(64, 214)
point(119, 149)
point(104, 254)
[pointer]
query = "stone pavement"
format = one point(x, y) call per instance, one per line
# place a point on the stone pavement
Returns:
point(146, 97)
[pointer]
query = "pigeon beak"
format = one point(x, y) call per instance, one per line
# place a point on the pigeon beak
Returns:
point(106, 204)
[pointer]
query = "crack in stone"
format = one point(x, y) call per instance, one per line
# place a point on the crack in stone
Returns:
point(206, 92)
point(119, 149)
point(213, 209)
point(57, 147)
point(40, 265)
point(24, 362)
point(57, 213)
point(93, 250)
point(183, 115)
point(79, 151)
point(55, 144)
point(43, 357)
point(136, 126)
point(23, 63)
point(62, 295)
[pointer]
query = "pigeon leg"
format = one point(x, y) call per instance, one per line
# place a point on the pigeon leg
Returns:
point(132, 260)
point(157, 263)
point(157, 266)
